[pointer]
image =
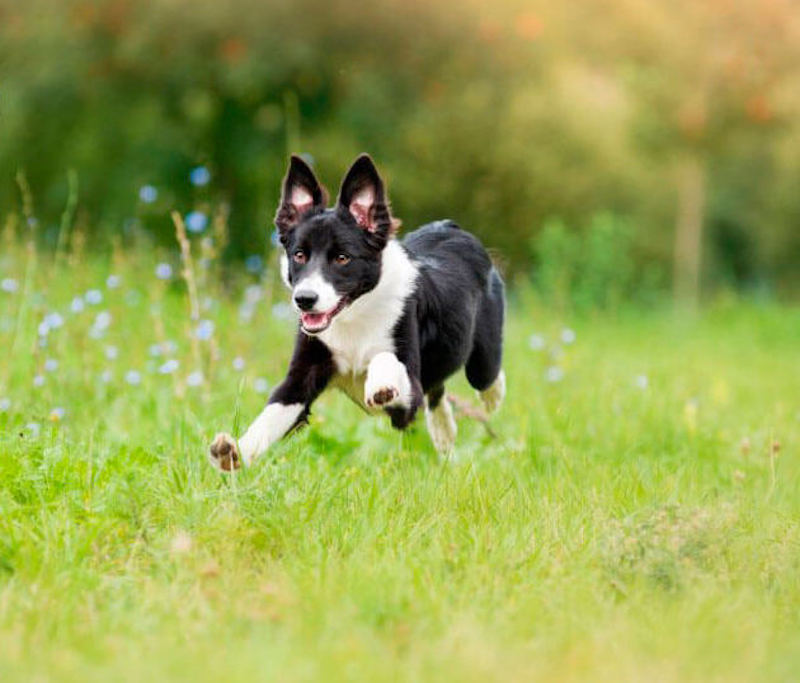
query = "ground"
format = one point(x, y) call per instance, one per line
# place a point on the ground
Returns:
point(637, 516)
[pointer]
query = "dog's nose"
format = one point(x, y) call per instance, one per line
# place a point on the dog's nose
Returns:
point(305, 299)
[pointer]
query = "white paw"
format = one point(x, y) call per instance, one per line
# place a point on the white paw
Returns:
point(387, 383)
point(224, 454)
point(494, 395)
point(442, 427)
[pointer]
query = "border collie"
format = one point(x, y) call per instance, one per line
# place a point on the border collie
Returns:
point(386, 321)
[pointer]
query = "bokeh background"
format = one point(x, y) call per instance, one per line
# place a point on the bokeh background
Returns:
point(616, 150)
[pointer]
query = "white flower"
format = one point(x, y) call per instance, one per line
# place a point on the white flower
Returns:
point(554, 374)
point(163, 271)
point(282, 311)
point(195, 379)
point(567, 335)
point(112, 353)
point(54, 320)
point(102, 320)
point(238, 363)
point(204, 330)
point(106, 376)
point(57, 413)
point(5, 404)
point(43, 328)
point(536, 342)
point(261, 385)
point(51, 365)
point(38, 380)
point(133, 377)
point(34, 428)
point(77, 305)
point(155, 350)
point(253, 294)
point(641, 382)
point(112, 281)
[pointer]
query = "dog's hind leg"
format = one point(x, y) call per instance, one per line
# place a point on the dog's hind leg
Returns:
point(484, 365)
point(440, 421)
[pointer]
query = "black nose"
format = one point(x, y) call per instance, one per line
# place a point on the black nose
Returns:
point(305, 299)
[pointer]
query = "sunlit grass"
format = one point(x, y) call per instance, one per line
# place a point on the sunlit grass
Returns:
point(636, 518)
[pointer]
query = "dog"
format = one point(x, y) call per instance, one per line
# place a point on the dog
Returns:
point(386, 321)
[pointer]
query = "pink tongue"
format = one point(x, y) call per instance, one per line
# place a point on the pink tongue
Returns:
point(313, 319)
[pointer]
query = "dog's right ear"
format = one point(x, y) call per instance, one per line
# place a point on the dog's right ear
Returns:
point(301, 193)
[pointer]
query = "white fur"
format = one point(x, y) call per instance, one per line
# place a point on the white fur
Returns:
point(364, 328)
point(316, 283)
point(441, 426)
point(385, 371)
point(301, 197)
point(273, 422)
point(494, 395)
point(285, 270)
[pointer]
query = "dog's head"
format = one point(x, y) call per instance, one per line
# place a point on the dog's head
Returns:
point(333, 255)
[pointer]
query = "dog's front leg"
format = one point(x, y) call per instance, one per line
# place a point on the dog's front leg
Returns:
point(309, 373)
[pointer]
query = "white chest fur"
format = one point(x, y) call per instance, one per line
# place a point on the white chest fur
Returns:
point(365, 328)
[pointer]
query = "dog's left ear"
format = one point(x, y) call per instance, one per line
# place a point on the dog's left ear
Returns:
point(363, 195)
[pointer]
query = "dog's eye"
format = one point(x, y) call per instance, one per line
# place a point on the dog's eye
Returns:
point(342, 259)
point(300, 256)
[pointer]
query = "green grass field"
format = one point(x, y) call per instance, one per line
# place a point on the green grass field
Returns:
point(637, 517)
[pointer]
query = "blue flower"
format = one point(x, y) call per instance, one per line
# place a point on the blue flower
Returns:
point(196, 221)
point(169, 367)
point(51, 365)
point(77, 305)
point(38, 380)
point(195, 379)
point(275, 238)
point(54, 320)
point(111, 352)
point(133, 377)
point(164, 271)
point(93, 296)
point(238, 363)
point(261, 385)
point(200, 176)
point(536, 342)
point(567, 335)
point(112, 281)
point(554, 374)
point(254, 264)
point(9, 284)
point(204, 330)
point(148, 194)
point(5, 405)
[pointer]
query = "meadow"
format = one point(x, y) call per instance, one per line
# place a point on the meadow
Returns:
point(636, 515)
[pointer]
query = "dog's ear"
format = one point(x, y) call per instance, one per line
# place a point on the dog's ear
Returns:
point(301, 193)
point(362, 195)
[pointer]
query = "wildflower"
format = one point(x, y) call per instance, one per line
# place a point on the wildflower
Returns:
point(38, 381)
point(33, 428)
point(77, 305)
point(536, 342)
point(54, 320)
point(43, 329)
point(93, 296)
point(204, 330)
point(133, 377)
point(101, 323)
point(196, 221)
point(5, 404)
point(164, 271)
point(169, 367)
point(554, 374)
point(261, 385)
point(275, 238)
point(641, 382)
point(111, 352)
point(208, 303)
point(51, 365)
point(253, 294)
point(238, 363)
point(246, 312)
point(169, 346)
point(9, 284)
point(148, 194)
point(254, 264)
point(113, 281)
point(200, 176)
point(195, 379)
point(181, 543)
point(57, 414)
point(106, 376)
point(282, 311)
point(567, 336)
point(42, 342)
point(155, 350)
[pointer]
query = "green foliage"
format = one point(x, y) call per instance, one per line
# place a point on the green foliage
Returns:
point(596, 269)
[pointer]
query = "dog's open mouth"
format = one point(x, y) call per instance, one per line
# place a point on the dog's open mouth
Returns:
point(314, 322)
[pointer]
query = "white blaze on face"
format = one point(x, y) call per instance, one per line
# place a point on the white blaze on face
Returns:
point(315, 283)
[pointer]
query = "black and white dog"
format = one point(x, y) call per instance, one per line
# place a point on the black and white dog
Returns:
point(386, 321)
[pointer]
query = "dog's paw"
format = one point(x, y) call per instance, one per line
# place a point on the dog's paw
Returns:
point(223, 453)
point(381, 397)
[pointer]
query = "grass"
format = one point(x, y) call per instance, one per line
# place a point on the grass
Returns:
point(637, 518)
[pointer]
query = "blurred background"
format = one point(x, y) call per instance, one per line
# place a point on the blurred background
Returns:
point(608, 151)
